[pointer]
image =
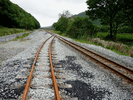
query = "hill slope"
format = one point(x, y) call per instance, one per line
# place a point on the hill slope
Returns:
point(82, 14)
point(14, 16)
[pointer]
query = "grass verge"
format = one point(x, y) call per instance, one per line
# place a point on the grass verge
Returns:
point(21, 37)
point(9, 31)
point(85, 40)
point(124, 38)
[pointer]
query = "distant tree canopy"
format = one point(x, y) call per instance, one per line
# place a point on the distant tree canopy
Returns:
point(62, 24)
point(11, 15)
point(80, 27)
point(74, 27)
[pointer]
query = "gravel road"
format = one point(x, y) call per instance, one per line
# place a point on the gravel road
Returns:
point(89, 80)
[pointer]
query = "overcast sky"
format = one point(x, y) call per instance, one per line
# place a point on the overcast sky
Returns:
point(46, 11)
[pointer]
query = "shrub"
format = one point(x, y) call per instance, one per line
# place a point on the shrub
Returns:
point(125, 29)
point(62, 24)
point(131, 53)
point(80, 27)
point(104, 28)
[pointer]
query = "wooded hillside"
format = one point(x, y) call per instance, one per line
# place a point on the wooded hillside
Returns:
point(12, 16)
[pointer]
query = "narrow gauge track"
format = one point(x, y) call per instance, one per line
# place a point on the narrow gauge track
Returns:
point(28, 85)
point(117, 68)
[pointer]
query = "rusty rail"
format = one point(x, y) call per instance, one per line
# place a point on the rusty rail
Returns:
point(56, 91)
point(24, 97)
point(85, 52)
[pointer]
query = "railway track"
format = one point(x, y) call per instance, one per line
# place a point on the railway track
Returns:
point(115, 67)
point(45, 76)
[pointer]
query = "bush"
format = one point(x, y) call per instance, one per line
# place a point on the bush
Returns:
point(62, 24)
point(80, 27)
point(104, 28)
point(125, 29)
point(109, 37)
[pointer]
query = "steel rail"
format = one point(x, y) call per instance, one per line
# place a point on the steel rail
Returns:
point(101, 56)
point(86, 50)
point(24, 97)
point(56, 91)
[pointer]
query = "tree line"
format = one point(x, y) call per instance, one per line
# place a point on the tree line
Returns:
point(115, 16)
point(12, 16)
point(74, 27)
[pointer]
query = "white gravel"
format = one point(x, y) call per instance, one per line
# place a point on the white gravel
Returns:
point(33, 41)
point(89, 80)
point(124, 60)
point(38, 79)
point(13, 66)
point(112, 87)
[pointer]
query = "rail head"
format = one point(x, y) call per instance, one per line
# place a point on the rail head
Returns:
point(26, 90)
point(130, 80)
point(56, 91)
point(97, 54)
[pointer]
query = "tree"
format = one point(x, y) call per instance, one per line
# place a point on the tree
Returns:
point(107, 11)
point(127, 12)
point(62, 24)
point(16, 16)
point(80, 27)
point(65, 13)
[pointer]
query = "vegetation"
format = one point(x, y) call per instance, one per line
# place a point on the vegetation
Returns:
point(75, 27)
point(80, 27)
point(16, 17)
point(115, 13)
point(83, 30)
point(82, 14)
point(62, 24)
point(21, 37)
point(10, 31)
point(119, 48)
point(124, 38)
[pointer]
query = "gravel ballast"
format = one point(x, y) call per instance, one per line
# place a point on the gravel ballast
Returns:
point(40, 80)
point(124, 60)
point(89, 80)
point(10, 87)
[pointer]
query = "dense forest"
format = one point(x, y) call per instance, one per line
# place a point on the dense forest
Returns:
point(12, 16)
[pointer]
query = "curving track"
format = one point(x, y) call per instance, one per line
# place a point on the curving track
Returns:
point(52, 85)
point(117, 68)
point(31, 76)
point(42, 83)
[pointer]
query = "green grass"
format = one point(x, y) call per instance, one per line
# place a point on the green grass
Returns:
point(101, 34)
point(21, 37)
point(10, 31)
point(126, 38)
point(85, 40)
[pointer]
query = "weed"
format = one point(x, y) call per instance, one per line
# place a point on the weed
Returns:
point(117, 47)
point(10, 31)
point(21, 37)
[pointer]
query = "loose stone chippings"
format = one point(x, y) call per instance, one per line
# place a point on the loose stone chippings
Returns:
point(11, 88)
point(99, 82)
point(88, 80)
